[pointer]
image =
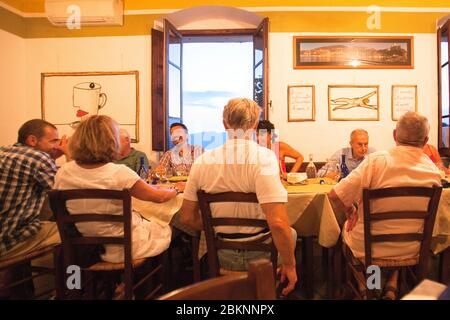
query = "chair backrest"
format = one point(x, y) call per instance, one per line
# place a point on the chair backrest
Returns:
point(428, 216)
point(214, 242)
point(72, 239)
point(257, 284)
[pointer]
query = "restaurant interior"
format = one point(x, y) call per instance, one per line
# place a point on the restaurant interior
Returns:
point(118, 118)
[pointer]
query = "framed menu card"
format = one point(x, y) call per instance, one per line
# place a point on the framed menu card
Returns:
point(301, 103)
point(403, 99)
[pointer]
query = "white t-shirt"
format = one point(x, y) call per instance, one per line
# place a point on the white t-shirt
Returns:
point(238, 166)
point(401, 166)
point(149, 238)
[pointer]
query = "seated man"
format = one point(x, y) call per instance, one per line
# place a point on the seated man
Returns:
point(359, 147)
point(27, 171)
point(178, 160)
point(128, 155)
point(402, 166)
point(241, 165)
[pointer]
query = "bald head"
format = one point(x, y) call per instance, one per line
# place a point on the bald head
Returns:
point(359, 141)
point(412, 130)
point(125, 142)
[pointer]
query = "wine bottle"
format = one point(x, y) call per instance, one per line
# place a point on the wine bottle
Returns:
point(344, 169)
point(143, 170)
point(311, 170)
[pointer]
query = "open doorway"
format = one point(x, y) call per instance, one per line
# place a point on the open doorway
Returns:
point(215, 70)
point(220, 64)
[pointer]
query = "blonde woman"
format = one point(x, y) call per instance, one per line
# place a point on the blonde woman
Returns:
point(93, 147)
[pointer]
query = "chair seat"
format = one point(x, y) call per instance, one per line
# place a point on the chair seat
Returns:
point(109, 266)
point(4, 264)
point(224, 272)
point(385, 263)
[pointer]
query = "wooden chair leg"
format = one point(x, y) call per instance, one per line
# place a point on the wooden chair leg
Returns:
point(308, 265)
point(444, 266)
point(195, 242)
point(59, 273)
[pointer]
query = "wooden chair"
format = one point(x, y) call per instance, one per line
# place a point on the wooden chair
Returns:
point(416, 269)
point(21, 287)
point(256, 284)
point(84, 251)
point(215, 243)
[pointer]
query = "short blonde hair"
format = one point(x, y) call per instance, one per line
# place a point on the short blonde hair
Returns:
point(96, 140)
point(241, 113)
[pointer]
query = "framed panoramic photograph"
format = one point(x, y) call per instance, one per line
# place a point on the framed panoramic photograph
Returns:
point(353, 103)
point(69, 97)
point(403, 99)
point(313, 52)
point(301, 103)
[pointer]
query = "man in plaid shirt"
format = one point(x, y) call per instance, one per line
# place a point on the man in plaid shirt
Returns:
point(27, 171)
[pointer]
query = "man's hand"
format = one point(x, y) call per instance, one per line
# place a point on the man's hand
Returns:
point(290, 274)
point(62, 148)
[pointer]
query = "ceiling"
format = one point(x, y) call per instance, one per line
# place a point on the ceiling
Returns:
point(38, 6)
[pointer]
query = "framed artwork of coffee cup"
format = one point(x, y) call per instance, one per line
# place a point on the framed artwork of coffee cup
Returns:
point(70, 97)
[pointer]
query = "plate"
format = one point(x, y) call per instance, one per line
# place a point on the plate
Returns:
point(178, 178)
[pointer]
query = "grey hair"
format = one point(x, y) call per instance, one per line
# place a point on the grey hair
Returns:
point(412, 129)
point(241, 113)
point(357, 132)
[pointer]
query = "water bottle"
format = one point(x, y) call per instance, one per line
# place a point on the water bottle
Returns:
point(143, 170)
point(344, 169)
point(311, 170)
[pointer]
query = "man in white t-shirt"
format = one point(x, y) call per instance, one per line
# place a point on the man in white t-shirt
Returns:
point(403, 166)
point(241, 165)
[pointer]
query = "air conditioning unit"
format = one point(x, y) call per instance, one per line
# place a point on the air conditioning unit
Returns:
point(65, 13)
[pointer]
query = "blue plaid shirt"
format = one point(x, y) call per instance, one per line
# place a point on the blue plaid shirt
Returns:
point(25, 176)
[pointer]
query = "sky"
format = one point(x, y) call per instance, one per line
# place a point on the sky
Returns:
point(213, 73)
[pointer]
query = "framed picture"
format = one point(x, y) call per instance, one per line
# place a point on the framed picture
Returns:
point(301, 103)
point(403, 99)
point(69, 97)
point(351, 103)
point(334, 52)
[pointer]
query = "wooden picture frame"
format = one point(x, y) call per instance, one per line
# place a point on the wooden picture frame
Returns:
point(69, 97)
point(353, 103)
point(403, 99)
point(301, 103)
point(347, 52)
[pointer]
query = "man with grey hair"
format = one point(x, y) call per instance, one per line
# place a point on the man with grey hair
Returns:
point(353, 155)
point(128, 155)
point(402, 166)
point(241, 165)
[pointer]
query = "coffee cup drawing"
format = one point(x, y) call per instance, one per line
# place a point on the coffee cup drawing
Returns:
point(88, 99)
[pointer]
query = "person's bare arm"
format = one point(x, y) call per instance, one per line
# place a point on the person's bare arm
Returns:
point(338, 206)
point(282, 236)
point(290, 152)
point(190, 215)
point(146, 192)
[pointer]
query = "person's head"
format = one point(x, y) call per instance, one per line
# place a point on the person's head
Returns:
point(265, 132)
point(96, 140)
point(412, 130)
point(40, 135)
point(359, 141)
point(178, 133)
point(125, 142)
point(241, 115)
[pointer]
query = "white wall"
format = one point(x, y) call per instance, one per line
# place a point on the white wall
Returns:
point(323, 137)
point(12, 86)
point(93, 54)
point(26, 59)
